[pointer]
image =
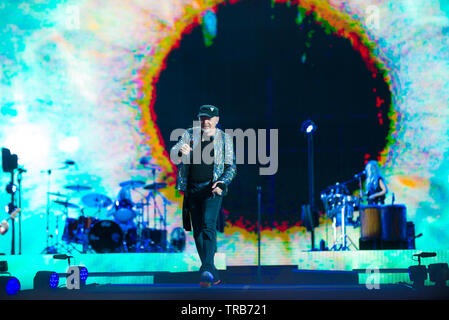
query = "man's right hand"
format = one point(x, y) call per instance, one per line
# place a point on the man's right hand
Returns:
point(185, 149)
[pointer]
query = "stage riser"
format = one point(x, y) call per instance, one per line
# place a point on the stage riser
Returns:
point(279, 275)
point(24, 267)
point(377, 262)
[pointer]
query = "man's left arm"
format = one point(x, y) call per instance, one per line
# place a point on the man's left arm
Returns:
point(230, 167)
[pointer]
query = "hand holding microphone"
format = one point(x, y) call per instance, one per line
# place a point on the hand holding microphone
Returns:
point(185, 149)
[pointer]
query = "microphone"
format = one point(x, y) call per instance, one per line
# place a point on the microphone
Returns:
point(358, 175)
point(69, 162)
point(425, 254)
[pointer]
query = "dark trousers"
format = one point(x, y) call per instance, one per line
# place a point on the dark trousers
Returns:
point(204, 207)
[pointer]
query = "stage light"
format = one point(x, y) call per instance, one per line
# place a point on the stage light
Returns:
point(308, 127)
point(418, 275)
point(9, 285)
point(76, 277)
point(83, 274)
point(438, 273)
point(45, 280)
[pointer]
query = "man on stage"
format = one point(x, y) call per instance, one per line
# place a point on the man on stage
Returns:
point(206, 168)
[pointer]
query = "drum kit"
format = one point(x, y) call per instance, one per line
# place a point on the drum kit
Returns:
point(379, 223)
point(127, 227)
point(339, 205)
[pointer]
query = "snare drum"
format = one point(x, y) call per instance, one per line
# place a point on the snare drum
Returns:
point(370, 222)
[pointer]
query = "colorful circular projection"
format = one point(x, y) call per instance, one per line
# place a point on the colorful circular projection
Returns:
point(77, 82)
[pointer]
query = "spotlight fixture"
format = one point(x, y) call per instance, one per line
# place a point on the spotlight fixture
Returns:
point(84, 274)
point(308, 127)
point(9, 285)
point(45, 280)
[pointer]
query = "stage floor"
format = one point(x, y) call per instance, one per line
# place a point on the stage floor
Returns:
point(231, 292)
point(381, 274)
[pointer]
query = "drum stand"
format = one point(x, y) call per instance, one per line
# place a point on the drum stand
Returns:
point(142, 245)
point(48, 248)
point(340, 243)
point(53, 248)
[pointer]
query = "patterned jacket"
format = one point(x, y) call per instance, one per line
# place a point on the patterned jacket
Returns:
point(225, 168)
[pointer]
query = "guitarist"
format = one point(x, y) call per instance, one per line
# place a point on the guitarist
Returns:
point(5, 225)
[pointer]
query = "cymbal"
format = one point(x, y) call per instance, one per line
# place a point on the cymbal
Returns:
point(96, 200)
point(57, 194)
point(154, 186)
point(66, 204)
point(77, 187)
point(132, 184)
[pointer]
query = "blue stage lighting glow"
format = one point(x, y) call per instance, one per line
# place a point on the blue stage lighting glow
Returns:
point(13, 286)
point(10, 285)
point(83, 273)
point(54, 280)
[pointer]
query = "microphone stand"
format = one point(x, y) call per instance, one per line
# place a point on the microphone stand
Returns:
point(47, 248)
point(11, 208)
point(19, 182)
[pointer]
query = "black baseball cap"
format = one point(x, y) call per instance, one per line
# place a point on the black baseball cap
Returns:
point(208, 110)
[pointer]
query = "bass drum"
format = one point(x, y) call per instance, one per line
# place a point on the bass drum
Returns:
point(106, 237)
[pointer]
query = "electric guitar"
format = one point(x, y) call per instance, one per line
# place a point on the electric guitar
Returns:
point(4, 229)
